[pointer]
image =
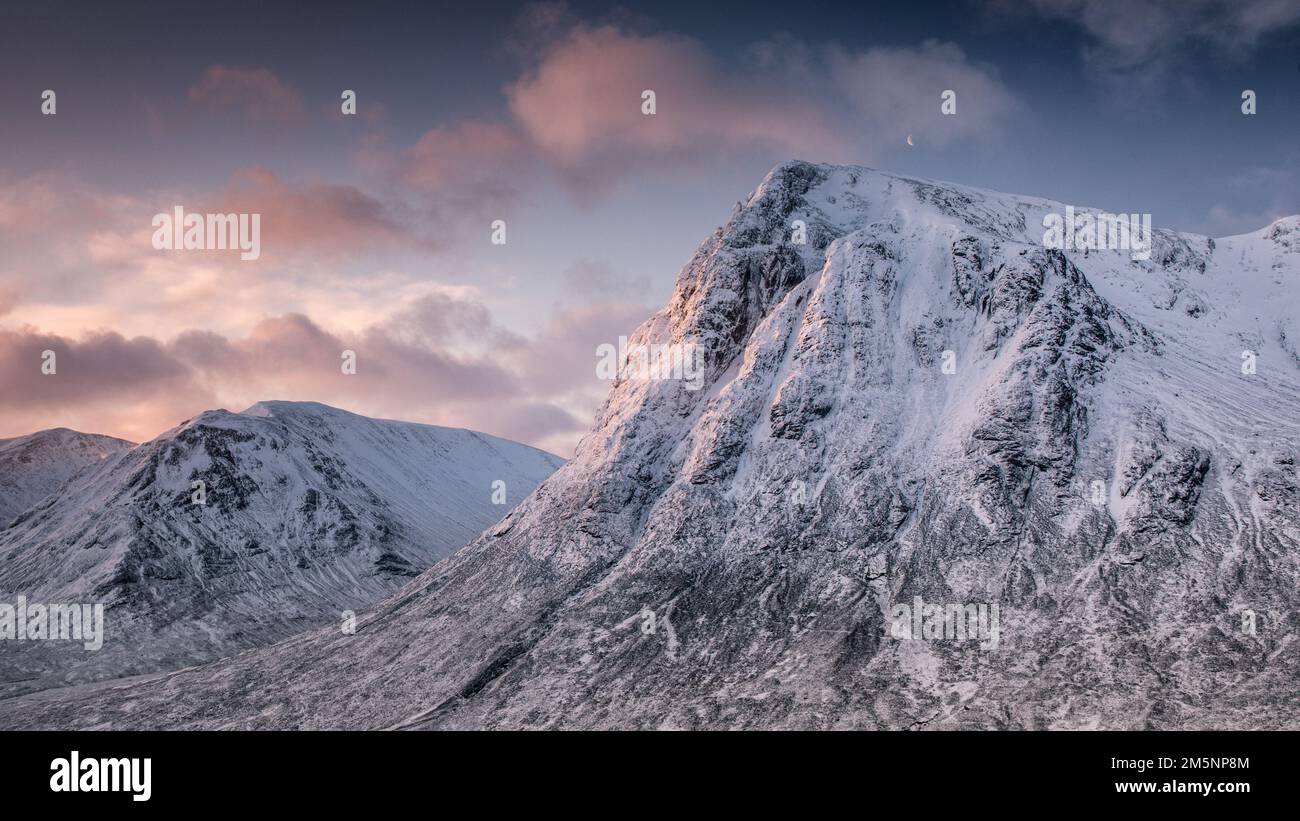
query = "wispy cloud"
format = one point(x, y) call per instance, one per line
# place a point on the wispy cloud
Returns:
point(896, 92)
point(1138, 46)
point(256, 94)
point(1134, 31)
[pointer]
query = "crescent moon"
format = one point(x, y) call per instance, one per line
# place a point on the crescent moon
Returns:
point(909, 140)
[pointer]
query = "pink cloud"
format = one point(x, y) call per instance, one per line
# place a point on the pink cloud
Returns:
point(456, 175)
point(439, 360)
point(102, 381)
point(468, 153)
point(8, 299)
point(582, 105)
point(317, 217)
point(257, 93)
point(61, 223)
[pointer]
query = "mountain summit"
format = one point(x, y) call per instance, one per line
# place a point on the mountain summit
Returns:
point(921, 406)
point(34, 466)
point(234, 530)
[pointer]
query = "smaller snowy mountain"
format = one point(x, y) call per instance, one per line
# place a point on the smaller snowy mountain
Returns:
point(34, 466)
point(234, 530)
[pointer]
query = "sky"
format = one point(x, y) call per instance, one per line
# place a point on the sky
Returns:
point(376, 227)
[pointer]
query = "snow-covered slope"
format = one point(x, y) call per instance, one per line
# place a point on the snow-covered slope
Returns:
point(34, 466)
point(306, 511)
point(1097, 464)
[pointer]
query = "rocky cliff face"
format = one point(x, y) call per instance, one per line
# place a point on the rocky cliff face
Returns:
point(920, 405)
point(238, 529)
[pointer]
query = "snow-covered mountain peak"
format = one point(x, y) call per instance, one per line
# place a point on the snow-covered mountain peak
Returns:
point(274, 407)
point(919, 402)
point(34, 466)
point(232, 530)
